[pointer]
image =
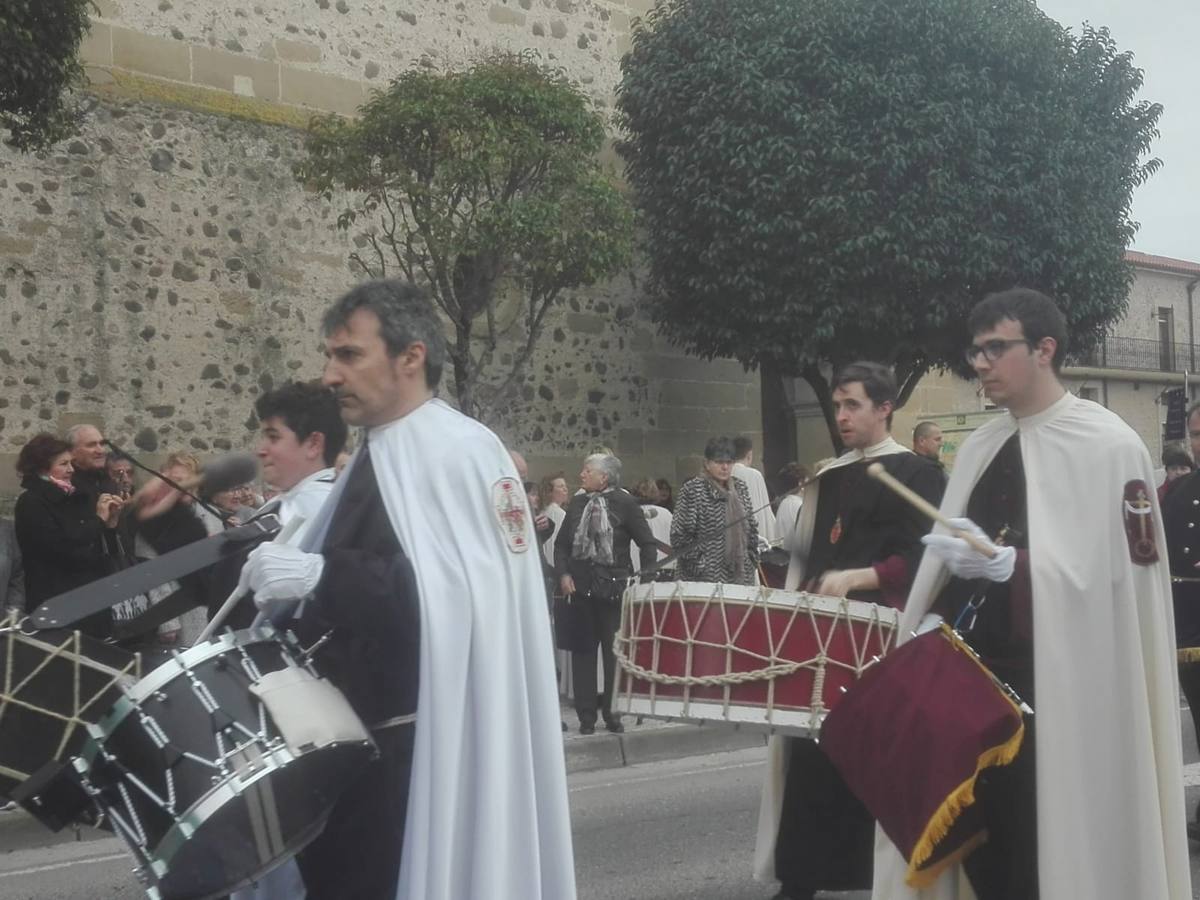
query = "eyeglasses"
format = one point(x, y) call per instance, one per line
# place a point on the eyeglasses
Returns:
point(992, 350)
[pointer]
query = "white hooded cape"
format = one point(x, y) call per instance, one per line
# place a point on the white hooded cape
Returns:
point(487, 809)
point(797, 539)
point(1110, 812)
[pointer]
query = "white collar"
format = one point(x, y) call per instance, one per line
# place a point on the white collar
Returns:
point(1053, 411)
point(327, 474)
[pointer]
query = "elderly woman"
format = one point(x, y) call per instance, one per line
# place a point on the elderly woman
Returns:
point(591, 559)
point(714, 532)
point(60, 529)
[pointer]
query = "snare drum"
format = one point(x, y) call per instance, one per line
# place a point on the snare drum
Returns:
point(222, 761)
point(758, 657)
point(912, 736)
point(52, 683)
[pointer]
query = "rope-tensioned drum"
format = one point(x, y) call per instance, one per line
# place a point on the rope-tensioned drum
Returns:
point(687, 648)
point(82, 685)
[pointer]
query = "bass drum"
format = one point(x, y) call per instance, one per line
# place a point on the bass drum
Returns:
point(223, 761)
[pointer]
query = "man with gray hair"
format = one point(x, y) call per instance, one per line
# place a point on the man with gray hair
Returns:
point(422, 569)
point(592, 561)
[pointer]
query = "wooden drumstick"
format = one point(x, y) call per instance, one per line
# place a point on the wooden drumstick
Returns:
point(879, 473)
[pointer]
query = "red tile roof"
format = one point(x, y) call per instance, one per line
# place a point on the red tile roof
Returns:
point(1162, 263)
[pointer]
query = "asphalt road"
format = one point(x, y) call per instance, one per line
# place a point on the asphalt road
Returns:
point(676, 830)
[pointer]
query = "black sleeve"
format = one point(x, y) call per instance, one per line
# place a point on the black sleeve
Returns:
point(64, 539)
point(926, 480)
point(566, 538)
point(639, 531)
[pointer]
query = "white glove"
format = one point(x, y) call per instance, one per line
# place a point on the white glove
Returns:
point(276, 572)
point(964, 560)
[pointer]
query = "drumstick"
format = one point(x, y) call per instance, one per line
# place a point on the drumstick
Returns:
point(879, 473)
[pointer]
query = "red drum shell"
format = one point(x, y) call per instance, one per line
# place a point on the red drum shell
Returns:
point(754, 656)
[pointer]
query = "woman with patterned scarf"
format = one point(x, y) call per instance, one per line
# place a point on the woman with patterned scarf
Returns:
point(591, 559)
point(714, 530)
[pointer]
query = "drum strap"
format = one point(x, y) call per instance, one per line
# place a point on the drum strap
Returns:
point(394, 721)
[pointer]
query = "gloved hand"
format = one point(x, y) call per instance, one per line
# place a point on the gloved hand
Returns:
point(964, 560)
point(276, 572)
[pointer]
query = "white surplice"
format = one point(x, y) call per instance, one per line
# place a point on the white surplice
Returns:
point(760, 502)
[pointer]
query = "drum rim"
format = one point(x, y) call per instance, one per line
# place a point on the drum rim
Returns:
point(167, 671)
point(133, 696)
point(748, 595)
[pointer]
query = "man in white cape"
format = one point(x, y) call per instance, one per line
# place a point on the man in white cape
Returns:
point(1108, 800)
point(485, 807)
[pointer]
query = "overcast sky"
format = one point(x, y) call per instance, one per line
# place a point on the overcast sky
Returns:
point(1164, 36)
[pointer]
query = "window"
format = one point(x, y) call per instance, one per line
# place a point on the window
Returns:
point(1166, 338)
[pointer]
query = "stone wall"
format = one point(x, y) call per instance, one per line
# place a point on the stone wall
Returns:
point(162, 268)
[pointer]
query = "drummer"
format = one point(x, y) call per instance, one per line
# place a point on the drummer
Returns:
point(853, 539)
point(1097, 810)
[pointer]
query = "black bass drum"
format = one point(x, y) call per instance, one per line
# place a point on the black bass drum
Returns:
point(222, 761)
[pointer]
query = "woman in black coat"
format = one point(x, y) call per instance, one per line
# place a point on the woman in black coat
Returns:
point(60, 530)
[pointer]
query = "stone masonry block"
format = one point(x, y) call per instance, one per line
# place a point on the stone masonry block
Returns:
point(297, 51)
point(108, 9)
point(326, 92)
point(587, 324)
point(640, 7)
point(688, 368)
point(15, 246)
point(502, 15)
point(675, 442)
point(619, 21)
point(149, 55)
point(216, 68)
point(96, 47)
point(704, 393)
point(631, 441)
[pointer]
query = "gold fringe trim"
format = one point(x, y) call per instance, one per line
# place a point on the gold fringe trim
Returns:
point(962, 796)
point(1188, 654)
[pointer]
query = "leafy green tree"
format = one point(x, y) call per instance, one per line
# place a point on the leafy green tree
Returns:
point(835, 179)
point(485, 185)
point(39, 40)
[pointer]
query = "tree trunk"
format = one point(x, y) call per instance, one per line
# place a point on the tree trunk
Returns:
point(778, 423)
point(909, 383)
point(820, 386)
point(464, 377)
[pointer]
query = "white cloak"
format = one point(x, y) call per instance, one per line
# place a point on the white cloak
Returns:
point(1110, 813)
point(797, 538)
point(760, 500)
point(487, 809)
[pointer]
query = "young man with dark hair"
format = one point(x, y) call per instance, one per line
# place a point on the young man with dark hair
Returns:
point(422, 569)
point(1070, 607)
point(857, 539)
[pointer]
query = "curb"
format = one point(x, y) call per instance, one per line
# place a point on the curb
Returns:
point(613, 751)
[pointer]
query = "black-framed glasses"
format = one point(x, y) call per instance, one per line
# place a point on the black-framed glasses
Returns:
point(992, 350)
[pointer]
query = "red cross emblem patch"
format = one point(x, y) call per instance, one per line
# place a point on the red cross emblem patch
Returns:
point(512, 513)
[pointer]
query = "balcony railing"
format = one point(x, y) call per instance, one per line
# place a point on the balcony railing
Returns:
point(1142, 355)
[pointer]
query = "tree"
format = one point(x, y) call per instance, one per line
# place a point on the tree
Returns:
point(841, 179)
point(39, 40)
point(477, 184)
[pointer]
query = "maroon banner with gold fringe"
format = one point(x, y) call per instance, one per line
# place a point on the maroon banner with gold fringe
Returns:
point(912, 736)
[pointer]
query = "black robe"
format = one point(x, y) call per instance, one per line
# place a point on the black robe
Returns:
point(1000, 629)
point(826, 836)
point(366, 602)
